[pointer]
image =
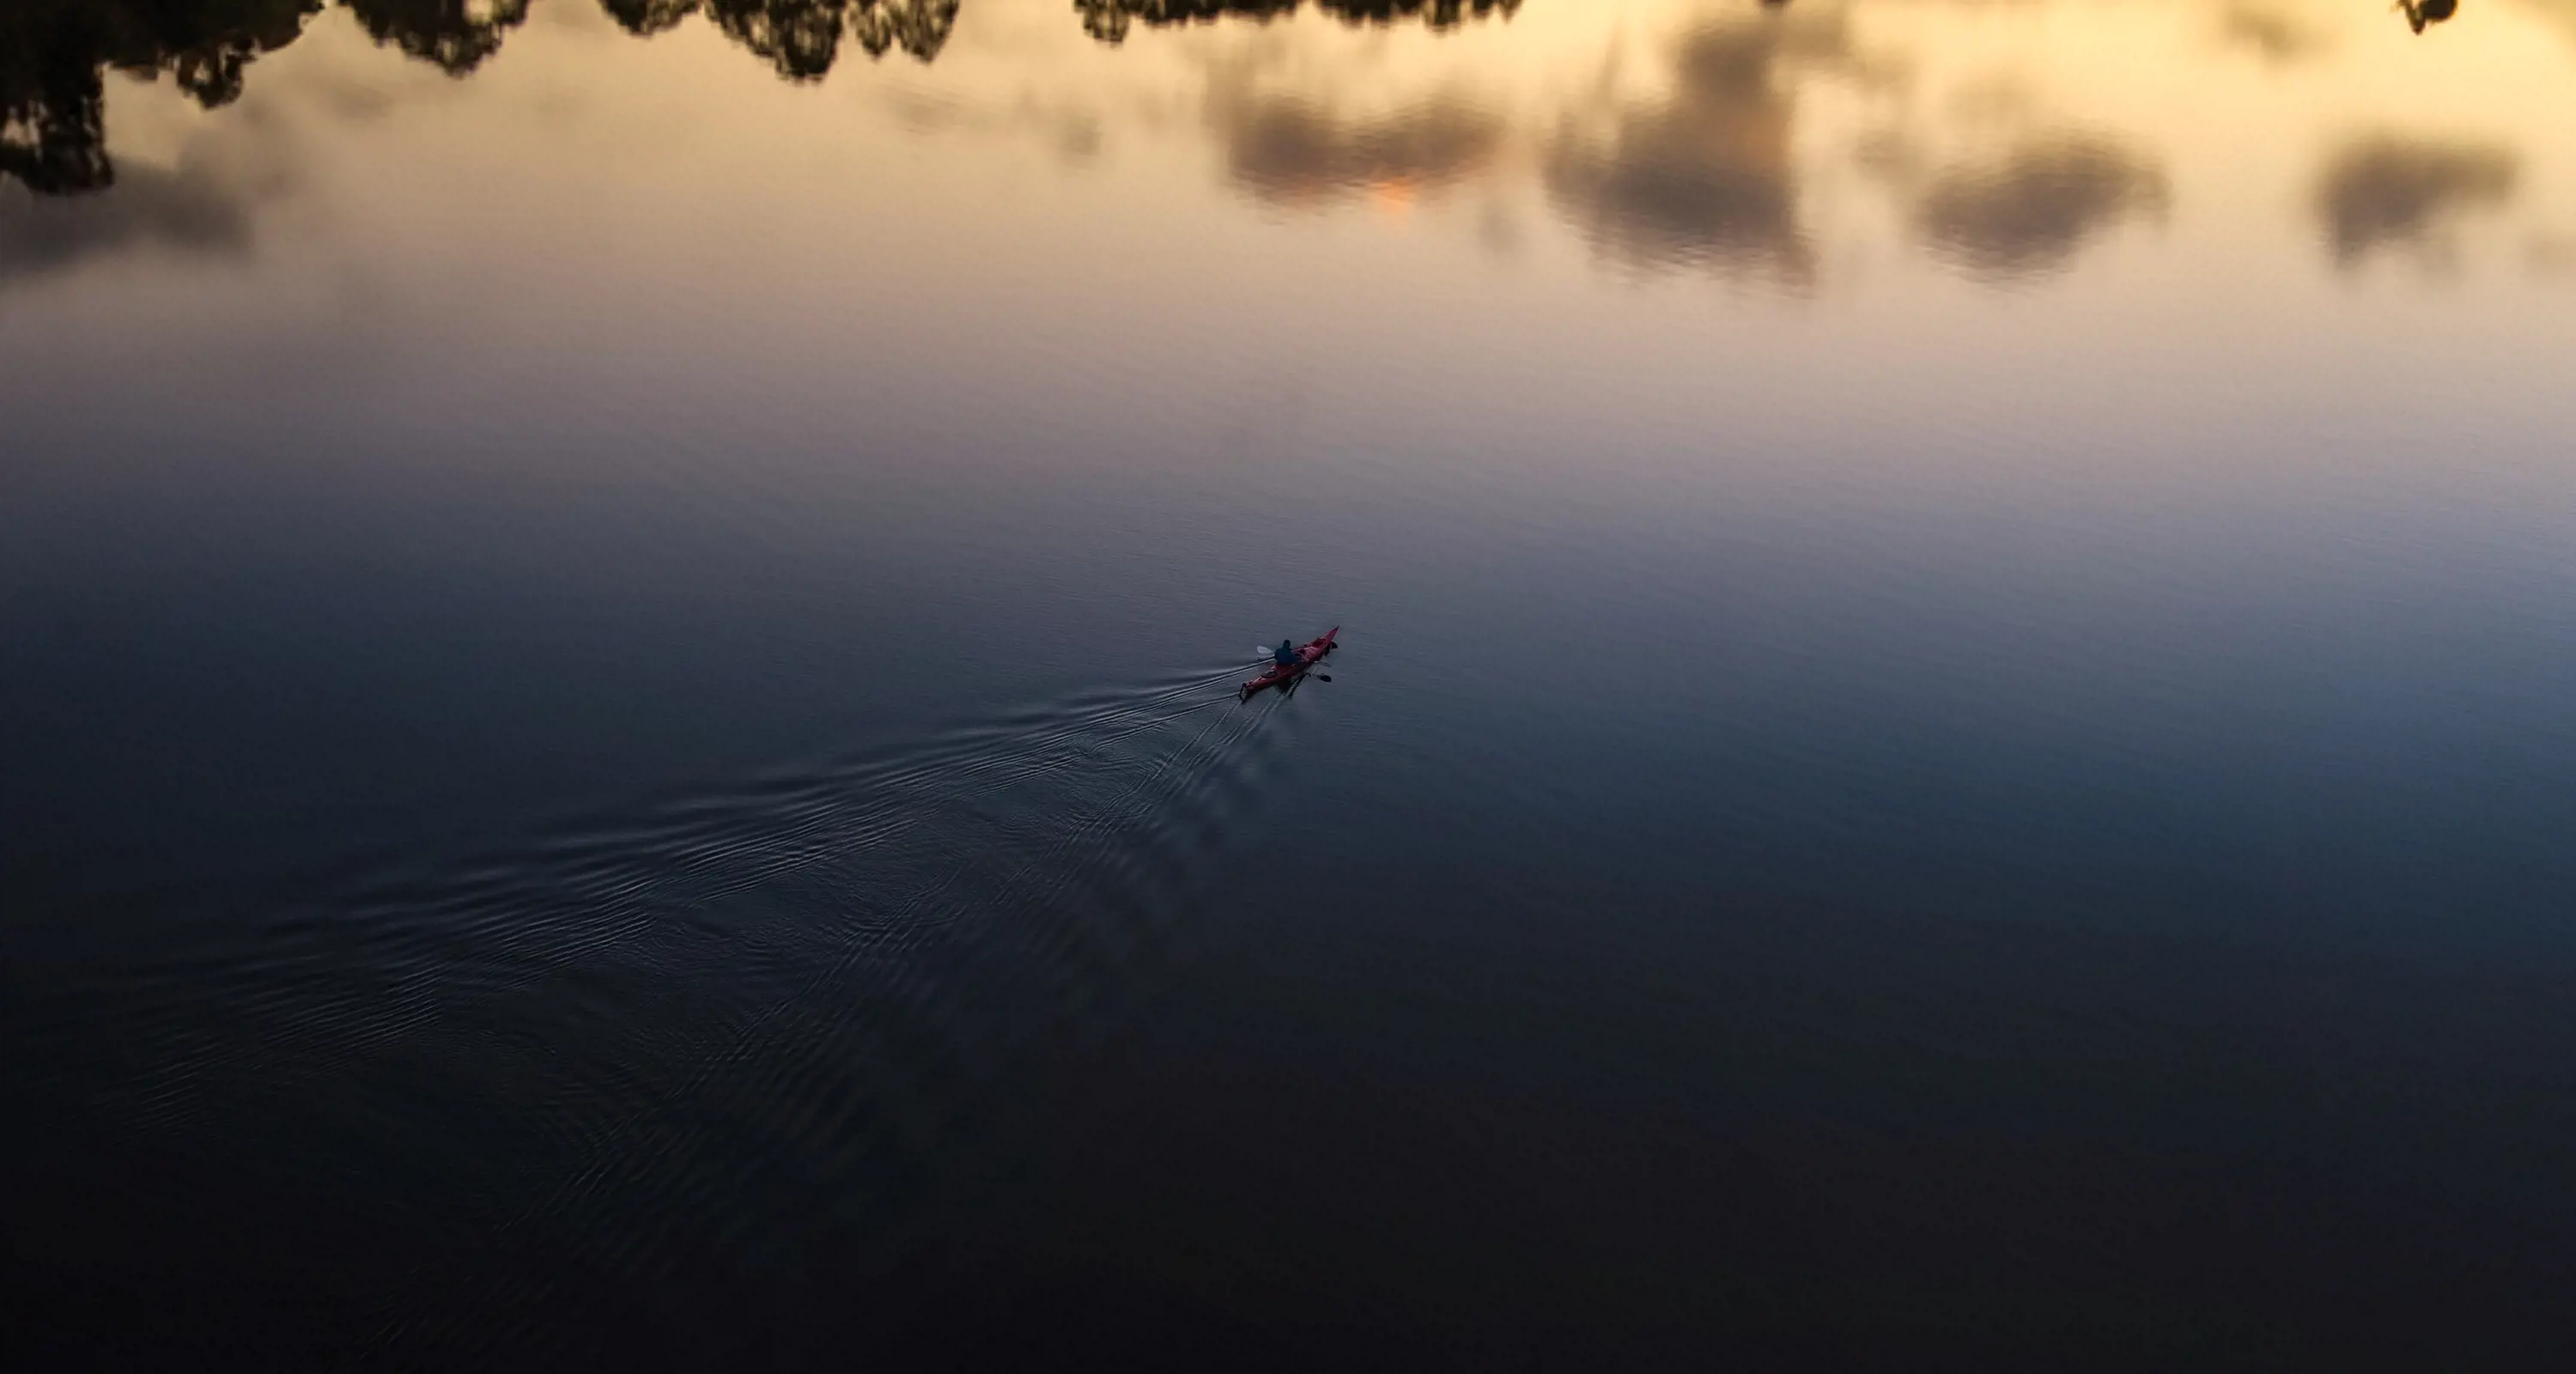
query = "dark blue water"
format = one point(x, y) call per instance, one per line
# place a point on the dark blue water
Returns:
point(620, 748)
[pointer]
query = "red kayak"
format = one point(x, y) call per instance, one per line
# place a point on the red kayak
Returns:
point(1281, 675)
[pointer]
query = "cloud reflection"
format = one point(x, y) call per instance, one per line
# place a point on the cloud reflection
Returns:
point(2030, 211)
point(1716, 137)
point(2277, 35)
point(2558, 14)
point(1705, 177)
point(2389, 192)
point(1287, 149)
point(190, 211)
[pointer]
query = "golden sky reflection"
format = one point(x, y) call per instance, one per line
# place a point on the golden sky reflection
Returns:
point(2171, 193)
point(1763, 144)
point(1760, 144)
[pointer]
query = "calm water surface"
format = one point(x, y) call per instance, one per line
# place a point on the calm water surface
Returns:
point(1952, 749)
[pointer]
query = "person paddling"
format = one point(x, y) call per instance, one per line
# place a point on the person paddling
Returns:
point(1289, 664)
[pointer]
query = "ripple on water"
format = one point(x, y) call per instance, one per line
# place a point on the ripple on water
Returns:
point(652, 1040)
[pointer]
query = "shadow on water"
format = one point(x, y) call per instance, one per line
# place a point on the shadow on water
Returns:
point(859, 974)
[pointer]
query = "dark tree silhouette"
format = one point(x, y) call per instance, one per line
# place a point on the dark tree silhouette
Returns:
point(644, 18)
point(1439, 14)
point(1109, 20)
point(457, 35)
point(54, 53)
point(802, 38)
point(919, 27)
point(2422, 14)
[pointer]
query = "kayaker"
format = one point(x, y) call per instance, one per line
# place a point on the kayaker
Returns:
point(1286, 656)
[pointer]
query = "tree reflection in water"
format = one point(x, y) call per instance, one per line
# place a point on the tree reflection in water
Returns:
point(454, 34)
point(54, 54)
point(1109, 20)
point(2421, 14)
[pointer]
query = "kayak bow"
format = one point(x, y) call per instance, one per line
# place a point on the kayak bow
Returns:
point(1281, 675)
